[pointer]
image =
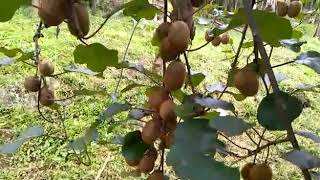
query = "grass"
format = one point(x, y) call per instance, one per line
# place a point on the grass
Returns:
point(44, 157)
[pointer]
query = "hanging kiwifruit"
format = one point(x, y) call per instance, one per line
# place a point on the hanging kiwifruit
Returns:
point(32, 83)
point(146, 164)
point(246, 81)
point(294, 8)
point(174, 76)
point(132, 163)
point(156, 175)
point(151, 131)
point(260, 172)
point(179, 35)
point(168, 140)
point(46, 96)
point(282, 8)
point(79, 24)
point(46, 68)
point(168, 110)
point(208, 36)
point(157, 96)
point(163, 30)
point(245, 170)
point(167, 51)
point(216, 41)
point(225, 38)
point(52, 12)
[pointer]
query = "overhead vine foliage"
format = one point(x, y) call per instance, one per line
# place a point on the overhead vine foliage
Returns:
point(189, 124)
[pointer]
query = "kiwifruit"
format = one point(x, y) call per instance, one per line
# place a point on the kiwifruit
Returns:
point(52, 12)
point(245, 170)
point(79, 26)
point(46, 96)
point(168, 139)
point(174, 76)
point(162, 30)
point(225, 38)
point(208, 36)
point(32, 83)
point(157, 97)
point(246, 81)
point(156, 175)
point(146, 164)
point(152, 153)
point(179, 35)
point(294, 8)
point(167, 51)
point(46, 67)
point(282, 8)
point(216, 41)
point(260, 172)
point(167, 110)
point(151, 131)
point(132, 163)
point(171, 125)
point(197, 3)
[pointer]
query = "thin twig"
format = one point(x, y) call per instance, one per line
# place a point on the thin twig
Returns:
point(243, 37)
point(198, 48)
point(258, 145)
point(106, 161)
point(249, 136)
point(189, 73)
point(279, 65)
point(105, 21)
point(244, 148)
point(125, 55)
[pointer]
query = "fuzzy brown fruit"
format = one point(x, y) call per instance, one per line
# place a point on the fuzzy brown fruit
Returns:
point(245, 170)
point(225, 38)
point(151, 131)
point(167, 51)
point(132, 163)
point(216, 41)
point(208, 37)
point(163, 30)
point(167, 110)
point(246, 81)
point(260, 172)
point(157, 97)
point(168, 140)
point(156, 175)
point(46, 68)
point(179, 35)
point(32, 83)
point(175, 76)
point(52, 12)
point(294, 8)
point(146, 164)
point(80, 25)
point(46, 96)
point(282, 8)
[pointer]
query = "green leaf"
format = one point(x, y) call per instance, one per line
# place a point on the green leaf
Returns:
point(133, 147)
point(268, 115)
point(302, 159)
point(247, 45)
point(197, 78)
point(189, 156)
point(114, 109)
point(78, 69)
point(310, 59)
point(271, 27)
point(9, 7)
point(96, 56)
point(230, 125)
point(139, 9)
point(292, 44)
point(10, 52)
point(296, 34)
point(28, 134)
point(131, 86)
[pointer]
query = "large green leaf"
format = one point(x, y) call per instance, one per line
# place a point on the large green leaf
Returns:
point(96, 56)
point(190, 156)
point(268, 115)
point(310, 59)
point(139, 9)
point(28, 134)
point(230, 125)
point(133, 147)
point(9, 7)
point(197, 78)
point(114, 109)
point(271, 27)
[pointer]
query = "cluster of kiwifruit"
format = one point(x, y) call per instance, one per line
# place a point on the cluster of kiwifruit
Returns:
point(33, 83)
point(164, 119)
point(246, 81)
point(217, 40)
point(251, 171)
point(291, 9)
point(54, 12)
